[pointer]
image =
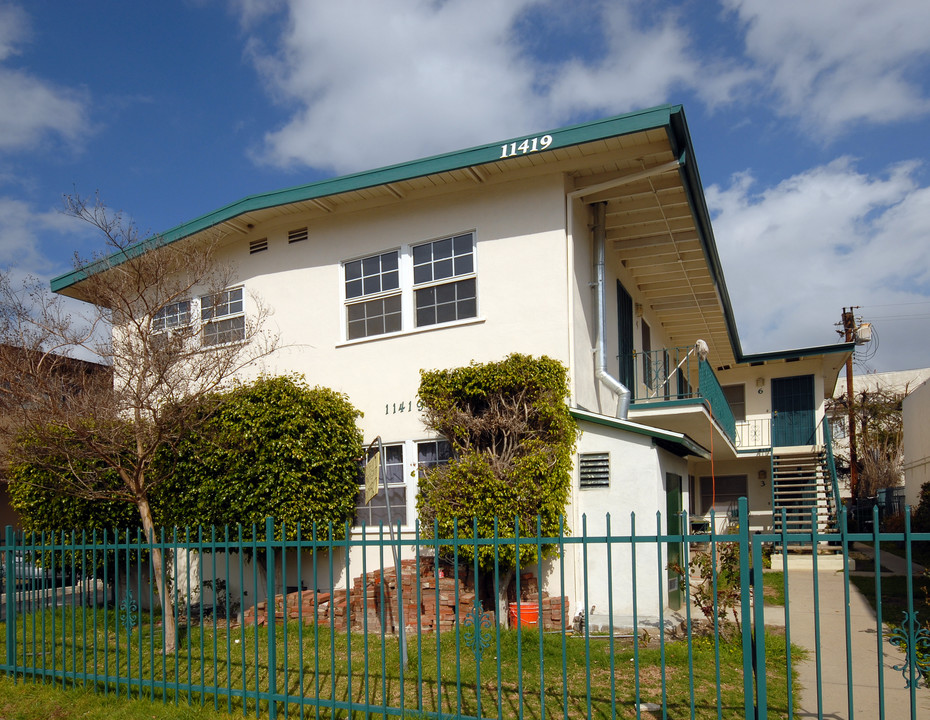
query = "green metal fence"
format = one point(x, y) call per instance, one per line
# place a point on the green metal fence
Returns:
point(315, 625)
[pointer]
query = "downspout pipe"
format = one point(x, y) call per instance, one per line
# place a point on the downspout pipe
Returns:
point(600, 370)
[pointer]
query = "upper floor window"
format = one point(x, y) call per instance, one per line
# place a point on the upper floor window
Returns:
point(171, 316)
point(376, 277)
point(440, 297)
point(416, 286)
point(736, 397)
point(223, 317)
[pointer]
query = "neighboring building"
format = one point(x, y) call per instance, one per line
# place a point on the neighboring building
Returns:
point(916, 443)
point(17, 362)
point(898, 382)
point(591, 244)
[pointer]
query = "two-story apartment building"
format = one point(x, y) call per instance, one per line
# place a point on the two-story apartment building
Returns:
point(591, 244)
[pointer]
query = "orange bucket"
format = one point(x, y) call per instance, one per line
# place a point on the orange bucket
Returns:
point(525, 614)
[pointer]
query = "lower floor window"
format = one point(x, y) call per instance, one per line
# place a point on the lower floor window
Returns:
point(722, 494)
point(375, 513)
point(401, 462)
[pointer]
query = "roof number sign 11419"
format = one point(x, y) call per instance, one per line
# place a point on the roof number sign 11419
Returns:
point(527, 146)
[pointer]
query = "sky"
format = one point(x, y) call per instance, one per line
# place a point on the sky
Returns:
point(810, 121)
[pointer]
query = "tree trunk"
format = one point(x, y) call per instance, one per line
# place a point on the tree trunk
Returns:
point(503, 599)
point(148, 526)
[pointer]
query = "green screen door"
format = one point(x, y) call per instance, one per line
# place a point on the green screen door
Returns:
point(675, 550)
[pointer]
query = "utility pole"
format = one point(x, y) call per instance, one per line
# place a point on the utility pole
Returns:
point(849, 328)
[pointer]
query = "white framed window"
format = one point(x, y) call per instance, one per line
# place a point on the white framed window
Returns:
point(373, 296)
point(375, 513)
point(222, 316)
point(440, 296)
point(415, 286)
point(431, 453)
point(404, 462)
point(172, 316)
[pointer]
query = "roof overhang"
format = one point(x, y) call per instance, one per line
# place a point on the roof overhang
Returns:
point(641, 164)
point(833, 359)
point(617, 144)
point(677, 443)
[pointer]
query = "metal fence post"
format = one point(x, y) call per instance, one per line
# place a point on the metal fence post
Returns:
point(10, 600)
point(271, 613)
point(745, 609)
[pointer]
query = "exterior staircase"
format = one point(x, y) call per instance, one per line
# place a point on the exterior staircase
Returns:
point(802, 485)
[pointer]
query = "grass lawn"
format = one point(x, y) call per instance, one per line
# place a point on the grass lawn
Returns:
point(894, 595)
point(773, 585)
point(920, 551)
point(524, 675)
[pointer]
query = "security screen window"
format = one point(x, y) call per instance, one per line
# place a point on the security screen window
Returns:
point(736, 397)
point(722, 493)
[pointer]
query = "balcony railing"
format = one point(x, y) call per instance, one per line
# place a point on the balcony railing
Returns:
point(679, 374)
point(754, 433)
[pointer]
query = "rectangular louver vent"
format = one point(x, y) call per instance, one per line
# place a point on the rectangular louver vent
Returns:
point(257, 246)
point(594, 469)
point(297, 235)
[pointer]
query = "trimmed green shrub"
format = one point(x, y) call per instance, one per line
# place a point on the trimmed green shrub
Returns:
point(276, 447)
point(513, 440)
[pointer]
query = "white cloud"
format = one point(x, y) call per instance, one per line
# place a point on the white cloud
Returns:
point(371, 82)
point(30, 107)
point(795, 254)
point(21, 228)
point(838, 62)
point(376, 82)
point(645, 65)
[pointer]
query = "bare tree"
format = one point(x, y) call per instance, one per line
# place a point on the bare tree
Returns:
point(878, 417)
point(163, 318)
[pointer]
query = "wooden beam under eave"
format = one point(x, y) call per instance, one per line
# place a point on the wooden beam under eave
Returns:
point(238, 225)
point(649, 273)
point(391, 188)
point(323, 205)
point(476, 174)
point(670, 258)
point(702, 284)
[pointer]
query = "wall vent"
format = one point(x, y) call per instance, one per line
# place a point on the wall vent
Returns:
point(257, 246)
point(297, 235)
point(594, 469)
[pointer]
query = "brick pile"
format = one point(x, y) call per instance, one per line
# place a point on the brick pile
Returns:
point(368, 596)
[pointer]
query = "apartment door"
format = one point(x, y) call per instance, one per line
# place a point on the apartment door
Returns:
point(625, 334)
point(793, 411)
point(675, 550)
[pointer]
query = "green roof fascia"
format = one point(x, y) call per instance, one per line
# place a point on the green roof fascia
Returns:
point(665, 438)
point(835, 348)
point(653, 118)
point(680, 138)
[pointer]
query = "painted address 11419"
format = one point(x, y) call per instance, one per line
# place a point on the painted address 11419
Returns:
point(527, 146)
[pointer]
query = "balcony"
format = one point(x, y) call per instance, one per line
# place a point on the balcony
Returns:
point(675, 390)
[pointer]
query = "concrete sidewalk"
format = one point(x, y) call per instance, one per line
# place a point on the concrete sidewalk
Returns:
point(864, 642)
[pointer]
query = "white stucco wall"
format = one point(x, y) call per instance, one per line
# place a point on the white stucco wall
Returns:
point(522, 289)
point(916, 418)
point(637, 489)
